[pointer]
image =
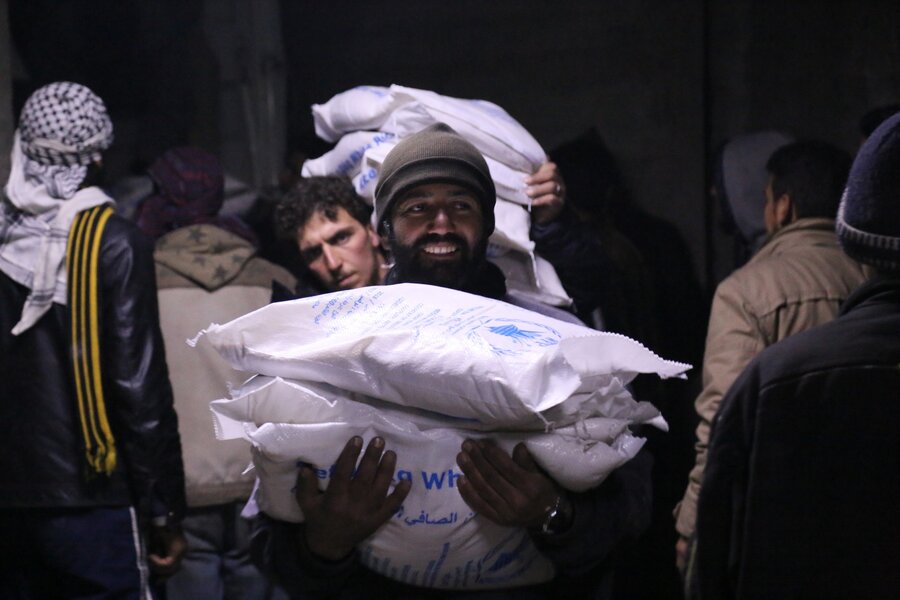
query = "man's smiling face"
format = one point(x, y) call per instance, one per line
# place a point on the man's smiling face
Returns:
point(436, 232)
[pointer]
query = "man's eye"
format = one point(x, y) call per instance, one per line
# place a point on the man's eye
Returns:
point(414, 208)
point(310, 254)
point(465, 204)
point(341, 238)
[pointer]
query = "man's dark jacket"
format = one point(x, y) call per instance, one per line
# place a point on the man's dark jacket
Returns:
point(801, 492)
point(42, 457)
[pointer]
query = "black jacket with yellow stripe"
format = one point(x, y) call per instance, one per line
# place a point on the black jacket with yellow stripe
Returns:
point(86, 414)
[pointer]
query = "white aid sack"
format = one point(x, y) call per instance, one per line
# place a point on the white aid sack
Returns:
point(434, 539)
point(404, 111)
point(363, 108)
point(346, 157)
point(490, 128)
point(434, 348)
point(509, 183)
point(512, 227)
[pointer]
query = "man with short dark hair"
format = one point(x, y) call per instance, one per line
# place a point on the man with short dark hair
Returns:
point(434, 208)
point(805, 178)
point(330, 224)
point(797, 279)
point(800, 494)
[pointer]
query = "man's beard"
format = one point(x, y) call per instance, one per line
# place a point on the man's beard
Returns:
point(413, 265)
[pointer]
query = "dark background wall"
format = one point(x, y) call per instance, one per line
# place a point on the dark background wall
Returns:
point(663, 82)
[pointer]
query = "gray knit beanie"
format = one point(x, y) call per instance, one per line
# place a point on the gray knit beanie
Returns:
point(868, 221)
point(437, 154)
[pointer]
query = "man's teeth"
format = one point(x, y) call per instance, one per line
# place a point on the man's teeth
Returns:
point(440, 248)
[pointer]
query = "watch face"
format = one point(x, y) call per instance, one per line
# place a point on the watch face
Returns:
point(558, 518)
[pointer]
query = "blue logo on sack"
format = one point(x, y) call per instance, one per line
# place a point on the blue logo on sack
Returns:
point(511, 337)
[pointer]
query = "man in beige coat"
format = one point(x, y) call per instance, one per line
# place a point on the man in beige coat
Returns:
point(207, 272)
point(798, 279)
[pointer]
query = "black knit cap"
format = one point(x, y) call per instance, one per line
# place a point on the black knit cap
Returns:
point(868, 222)
point(437, 154)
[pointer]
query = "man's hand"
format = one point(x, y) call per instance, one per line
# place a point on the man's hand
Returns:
point(547, 192)
point(354, 505)
point(509, 491)
point(167, 548)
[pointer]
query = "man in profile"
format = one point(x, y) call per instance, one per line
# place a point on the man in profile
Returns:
point(800, 494)
point(796, 280)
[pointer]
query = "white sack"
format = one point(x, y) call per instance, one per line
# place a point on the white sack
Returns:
point(511, 227)
point(434, 348)
point(294, 422)
point(510, 151)
point(404, 111)
point(365, 107)
point(346, 157)
point(509, 183)
point(490, 128)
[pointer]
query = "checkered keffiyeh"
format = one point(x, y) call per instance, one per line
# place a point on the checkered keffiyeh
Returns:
point(64, 123)
point(43, 195)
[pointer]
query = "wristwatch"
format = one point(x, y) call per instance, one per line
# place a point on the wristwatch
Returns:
point(559, 516)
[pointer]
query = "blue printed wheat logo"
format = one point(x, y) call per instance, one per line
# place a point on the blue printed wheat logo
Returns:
point(511, 337)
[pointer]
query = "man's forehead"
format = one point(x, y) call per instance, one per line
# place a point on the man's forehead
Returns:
point(320, 225)
point(435, 188)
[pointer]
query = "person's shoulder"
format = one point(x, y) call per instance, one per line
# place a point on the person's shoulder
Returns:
point(264, 272)
point(118, 229)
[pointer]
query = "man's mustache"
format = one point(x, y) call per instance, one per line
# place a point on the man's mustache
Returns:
point(435, 238)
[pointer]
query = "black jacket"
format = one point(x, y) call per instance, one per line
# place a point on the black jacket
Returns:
point(802, 484)
point(42, 458)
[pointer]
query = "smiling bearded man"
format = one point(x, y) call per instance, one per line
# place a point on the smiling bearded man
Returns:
point(434, 208)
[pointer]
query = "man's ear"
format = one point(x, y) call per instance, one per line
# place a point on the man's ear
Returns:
point(785, 212)
point(374, 239)
point(386, 236)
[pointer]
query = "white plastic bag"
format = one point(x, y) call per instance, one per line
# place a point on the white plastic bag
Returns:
point(404, 111)
point(365, 108)
point(434, 348)
point(346, 157)
point(490, 128)
point(292, 423)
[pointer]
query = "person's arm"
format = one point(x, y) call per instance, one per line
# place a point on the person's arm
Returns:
point(279, 550)
point(139, 395)
point(319, 556)
point(513, 491)
point(572, 247)
point(732, 340)
point(547, 191)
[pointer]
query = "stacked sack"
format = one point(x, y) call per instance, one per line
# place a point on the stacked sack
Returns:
point(425, 368)
point(366, 122)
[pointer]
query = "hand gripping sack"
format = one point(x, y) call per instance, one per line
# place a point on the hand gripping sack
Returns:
point(434, 539)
